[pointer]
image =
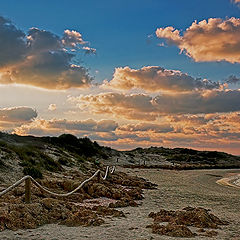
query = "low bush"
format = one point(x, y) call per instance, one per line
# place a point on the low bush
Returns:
point(33, 172)
point(1, 163)
point(63, 161)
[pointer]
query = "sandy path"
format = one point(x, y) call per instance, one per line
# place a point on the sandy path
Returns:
point(176, 190)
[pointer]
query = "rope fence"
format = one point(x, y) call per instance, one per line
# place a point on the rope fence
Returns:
point(28, 180)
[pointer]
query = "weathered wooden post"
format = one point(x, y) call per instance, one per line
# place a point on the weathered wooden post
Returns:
point(28, 190)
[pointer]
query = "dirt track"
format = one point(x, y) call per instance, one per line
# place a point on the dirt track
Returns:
point(175, 191)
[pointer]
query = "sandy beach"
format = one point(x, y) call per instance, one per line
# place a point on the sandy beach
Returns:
point(176, 190)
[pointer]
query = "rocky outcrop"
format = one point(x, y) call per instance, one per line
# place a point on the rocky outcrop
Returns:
point(178, 222)
point(49, 210)
point(134, 181)
point(172, 230)
point(71, 211)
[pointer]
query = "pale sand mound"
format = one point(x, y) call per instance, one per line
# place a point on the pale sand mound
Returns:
point(232, 181)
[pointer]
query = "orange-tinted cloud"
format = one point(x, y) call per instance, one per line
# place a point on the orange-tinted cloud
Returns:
point(208, 131)
point(89, 50)
point(57, 126)
point(135, 106)
point(204, 131)
point(40, 58)
point(155, 79)
point(143, 127)
point(71, 38)
point(146, 108)
point(214, 39)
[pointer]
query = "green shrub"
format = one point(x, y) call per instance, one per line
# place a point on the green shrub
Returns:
point(2, 163)
point(48, 163)
point(80, 159)
point(81, 146)
point(63, 161)
point(33, 172)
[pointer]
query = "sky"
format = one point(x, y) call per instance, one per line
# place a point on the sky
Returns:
point(126, 74)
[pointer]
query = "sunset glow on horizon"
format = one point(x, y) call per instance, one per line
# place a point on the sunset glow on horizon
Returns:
point(126, 74)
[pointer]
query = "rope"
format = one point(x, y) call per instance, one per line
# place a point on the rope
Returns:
point(106, 173)
point(113, 170)
point(57, 194)
point(14, 185)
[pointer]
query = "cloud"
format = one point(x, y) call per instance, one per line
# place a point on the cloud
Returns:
point(198, 102)
point(135, 106)
point(155, 79)
point(144, 107)
point(233, 79)
point(103, 130)
point(103, 136)
point(15, 117)
point(89, 50)
point(12, 43)
point(190, 120)
point(211, 126)
point(52, 107)
point(71, 38)
point(171, 34)
point(57, 126)
point(214, 39)
point(15, 114)
point(208, 131)
point(41, 41)
point(40, 58)
point(143, 127)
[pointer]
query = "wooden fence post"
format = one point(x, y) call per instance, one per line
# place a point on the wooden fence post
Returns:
point(28, 190)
